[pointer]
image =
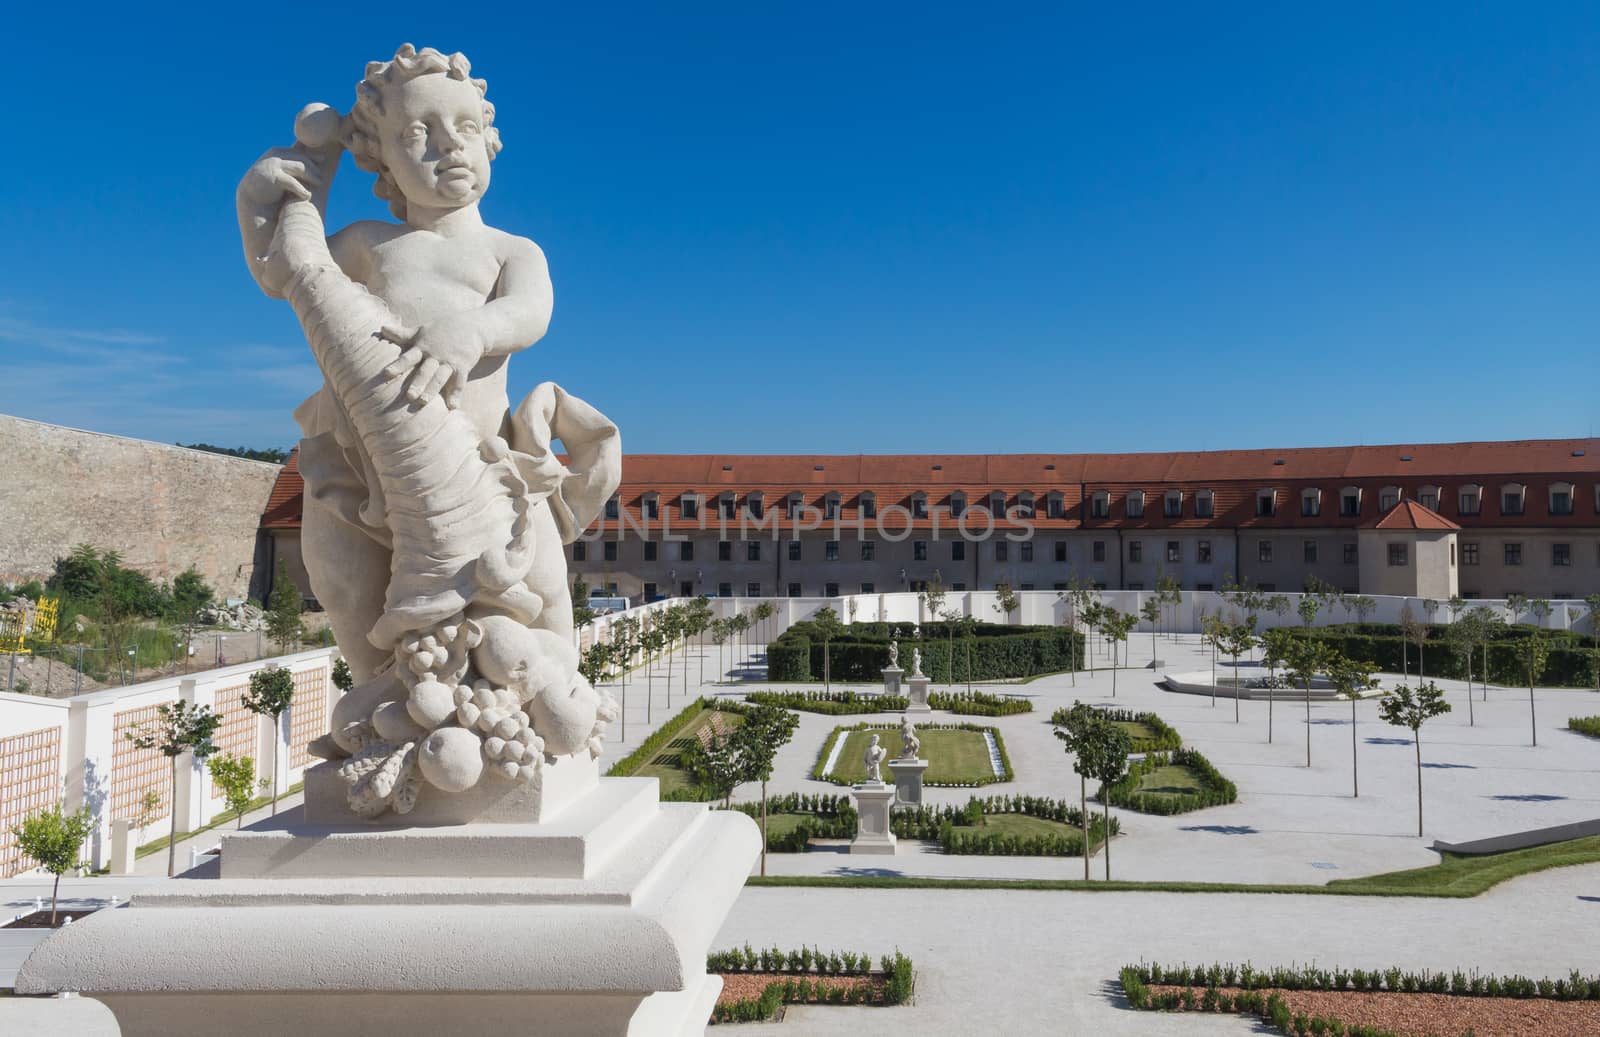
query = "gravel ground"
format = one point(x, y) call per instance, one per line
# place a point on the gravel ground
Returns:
point(1423, 1015)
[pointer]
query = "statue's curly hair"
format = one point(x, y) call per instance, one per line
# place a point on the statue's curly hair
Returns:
point(362, 137)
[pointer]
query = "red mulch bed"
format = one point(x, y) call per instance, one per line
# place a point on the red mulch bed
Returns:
point(41, 919)
point(1423, 1015)
point(740, 986)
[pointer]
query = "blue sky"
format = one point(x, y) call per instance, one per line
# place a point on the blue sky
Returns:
point(867, 227)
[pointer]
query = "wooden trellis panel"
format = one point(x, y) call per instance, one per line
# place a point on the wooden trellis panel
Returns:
point(30, 767)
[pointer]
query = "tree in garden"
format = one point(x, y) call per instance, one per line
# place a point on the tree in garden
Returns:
point(271, 692)
point(190, 595)
point(1169, 592)
point(54, 839)
point(1403, 708)
point(1238, 640)
point(1117, 625)
point(180, 727)
point(1462, 639)
point(1364, 606)
point(700, 622)
point(1456, 605)
point(1307, 657)
point(595, 662)
point(931, 597)
point(1515, 605)
point(650, 639)
point(582, 614)
point(1212, 631)
point(826, 626)
point(283, 610)
point(952, 619)
point(1534, 651)
point(1278, 605)
point(343, 679)
point(1308, 608)
point(969, 632)
point(1107, 751)
point(1351, 678)
point(741, 623)
point(1431, 607)
point(765, 730)
point(1151, 611)
point(1277, 642)
point(1408, 625)
point(1540, 609)
point(236, 777)
point(1075, 736)
point(669, 621)
point(1006, 601)
point(720, 630)
point(1489, 623)
point(763, 612)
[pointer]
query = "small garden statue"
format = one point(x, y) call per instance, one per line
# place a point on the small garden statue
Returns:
point(910, 744)
point(894, 653)
point(916, 662)
point(874, 758)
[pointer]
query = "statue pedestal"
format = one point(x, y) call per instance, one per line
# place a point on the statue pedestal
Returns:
point(891, 680)
point(917, 686)
point(908, 781)
point(597, 923)
point(873, 835)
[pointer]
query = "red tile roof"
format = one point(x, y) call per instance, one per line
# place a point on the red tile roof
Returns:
point(1408, 514)
point(288, 495)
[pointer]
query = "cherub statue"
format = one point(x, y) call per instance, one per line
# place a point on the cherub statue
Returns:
point(434, 514)
point(894, 654)
point(910, 744)
point(874, 758)
point(916, 662)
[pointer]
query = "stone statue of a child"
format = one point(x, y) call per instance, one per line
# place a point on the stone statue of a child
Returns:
point(873, 759)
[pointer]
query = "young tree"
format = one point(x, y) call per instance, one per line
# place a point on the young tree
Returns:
point(1006, 601)
point(343, 679)
point(1402, 708)
point(1364, 606)
point(670, 625)
point(582, 614)
point(189, 596)
point(931, 597)
point(1462, 639)
point(765, 730)
point(1278, 642)
point(1351, 678)
point(826, 626)
point(1307, 657)
point(283, 610)
point(650, 639)
point(180, 727)
point(952, 619)
point(1593, 602)
point(1170, 592)
point(1151, 611)
point(55, 840)
point(271, 692)
point(716, 765)
point(1107, 756)
point(1534, 651)
point(1075, 736)
point(1308, 608)
point(1212, 631)
point(763, 612)
point(720, 629)
point(1236, 641)
point(1117, 626)
point(236, 777)
point(1486, 629)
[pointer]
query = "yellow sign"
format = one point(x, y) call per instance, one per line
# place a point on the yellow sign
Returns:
point(44, 619)
point(14, 626)
point(11, 631)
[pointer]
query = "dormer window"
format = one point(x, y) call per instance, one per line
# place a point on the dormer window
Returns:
point(1205, 504)
point(1025, 505)
point(1054, 507)
point(919, 505)
point(1470, 500)
point(689, 506)
point(1512, 498)
point(791, 506)
point(1310, 503)
point(754, 506)
point(997, 503)
point(830, 507)
point(1266, 503)
point(1388, 497)
point(725, 505)
point(1135, 504)
point(650, 506)
point(1428, 497)
point(1561, 499)
point(1172, 504)
point(869, 506)
point(1100, 505)
point(1350, 502)
point(611, 508)
point(958, 503)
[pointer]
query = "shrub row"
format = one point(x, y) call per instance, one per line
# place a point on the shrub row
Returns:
point(1216, 790)
point(842, 732)
point(654, 744)
point(1575, 987)
point(831, 703)
point(977, 842)
point(893, 985)
point(959, 830)
point(979, 703)
point(997, 652)
point(1571, 665)
point(1585, 726)
point(836, 819)
point(1270, 1007)
point(805, 961)
point(1165, 740)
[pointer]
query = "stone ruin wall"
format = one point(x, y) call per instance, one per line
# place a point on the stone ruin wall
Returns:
point(163, 508)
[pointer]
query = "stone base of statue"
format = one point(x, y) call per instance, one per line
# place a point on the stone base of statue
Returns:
point(917, 691)
point(908, 781)
point(595, 921)
point(874, 799)
point(891, 680)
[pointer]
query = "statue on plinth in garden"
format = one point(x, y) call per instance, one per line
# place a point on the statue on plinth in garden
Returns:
point(435, 515)
point(894, 654)
point(910, 744)
point(916, 662)
point(873, 758)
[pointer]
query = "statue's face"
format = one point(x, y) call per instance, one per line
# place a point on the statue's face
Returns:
point(433, 143)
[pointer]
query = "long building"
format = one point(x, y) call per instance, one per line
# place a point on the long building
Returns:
point(1487, 519)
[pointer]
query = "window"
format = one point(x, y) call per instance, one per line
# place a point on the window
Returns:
point(1202, 552)
point(1310, 503)
point(725, 505)
point(997, 503)
point(1350, 502)
point(1350, 556)
point(958, 586)
point(1511, 500)
point(724, 590)
point(752, 550)
point(1264, 551)
point(958, 504)
point(830, 507)
point(1268, 588)
point(830, 551)
point(1099, 550)
point(1266, 504)
point(1100, 505)
point(1513, 554)
point(830, 590)
point(1204, 504)
point(1388, 497)
point(1397, 554)
point(1205, 586)
point(611, 508)
point(1469, 554)
point(919, 506)
point(1136, 550)
point(794, 590)
point(1428, 497)
point(1061, 550)
point(1002, 551)
point(869, 550)
point(1135, 587)
point(1136, 504)
point(1026, 587)
point(1470, 501)
point(580, 551)
point(752, 590)
point(1172, 504)
point(1026, 547)
point(650, 592)
point(868, 588)
point(919, 550)
point(650, 548)
point(686, 551)
point(869, 506)
point(754, 505)
point(1309, 552)
point(958, 551)
point(1025, 506)
point(686, 589)
point(1053, 506)
point(1561, 499)
point(794, 550)
point(611, 551)
point(1560, 554)
point(650, 510)
point(689, 507)
point(791, 506)
point(724, 550)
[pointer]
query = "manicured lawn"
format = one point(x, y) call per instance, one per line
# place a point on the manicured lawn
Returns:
point(954, 757)
point(1137, 730)
point(783, 824)
point(664, 764)
point(1172, 780)
point(1024, 826)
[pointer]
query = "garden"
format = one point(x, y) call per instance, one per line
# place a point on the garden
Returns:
point(661, 756)
point(757, 984)
point(1171, 783)
point(959, 755)
point(1147, 732)
point(847, 702)
point(961, 651)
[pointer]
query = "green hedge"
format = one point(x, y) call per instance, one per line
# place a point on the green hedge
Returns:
point(979, 703)
point(998, 652)
point(832, 817)
point(1166, 739)
point(893, 984)
point(1574, 987)
point(1217, 790)
point(1585, 726)
point(831, 703)
point(959, 830)
point(1571, 663)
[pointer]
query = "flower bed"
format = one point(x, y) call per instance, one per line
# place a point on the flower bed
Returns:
point(1135, 792)
point(1585, 726)
point(796, 819)
point(757, 984)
